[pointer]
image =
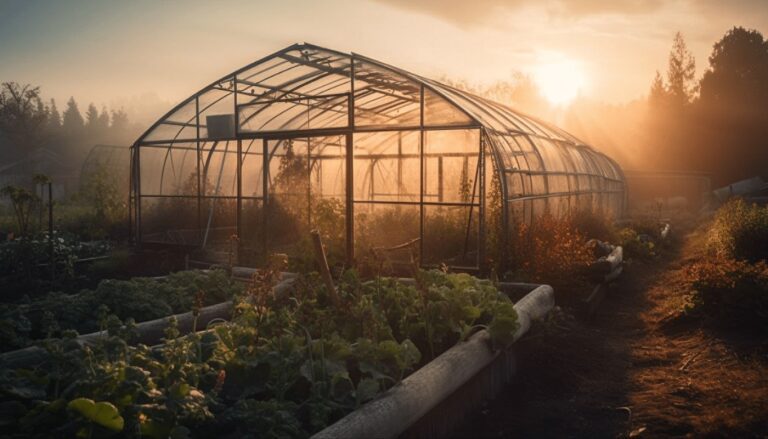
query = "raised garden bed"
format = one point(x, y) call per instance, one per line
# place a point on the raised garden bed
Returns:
point(287, 364)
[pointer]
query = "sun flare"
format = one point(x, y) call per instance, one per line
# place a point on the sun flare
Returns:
point(560, 80)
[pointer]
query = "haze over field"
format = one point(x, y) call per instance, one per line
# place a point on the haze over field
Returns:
point(111, 52)
point(588, 66)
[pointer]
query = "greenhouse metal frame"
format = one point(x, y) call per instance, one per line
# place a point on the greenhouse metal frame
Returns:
point(376, 158)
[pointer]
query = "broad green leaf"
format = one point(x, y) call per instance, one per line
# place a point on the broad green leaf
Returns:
point(367, 389)
point(102, 413)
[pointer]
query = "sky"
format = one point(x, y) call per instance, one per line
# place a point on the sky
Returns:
point(120, 53)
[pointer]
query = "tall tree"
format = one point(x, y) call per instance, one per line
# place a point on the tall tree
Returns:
point(22, 114)
point(738, 70)
point(658, 96)
point(72, 120)
point(732, 104)
point(54, 118)
point(91, 116)
point(103, 122)
point(681, 72)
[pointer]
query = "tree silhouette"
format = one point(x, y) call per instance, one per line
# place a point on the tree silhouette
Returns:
point(72, 120)
point(22, 114)
point(732, 106)
point(54, 118)
point(658, 96)
point(738, 70)
point(681, 71)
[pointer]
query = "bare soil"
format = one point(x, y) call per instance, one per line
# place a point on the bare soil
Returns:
point(639, 368)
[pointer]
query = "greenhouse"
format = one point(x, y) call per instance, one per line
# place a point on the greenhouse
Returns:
point(382, 162)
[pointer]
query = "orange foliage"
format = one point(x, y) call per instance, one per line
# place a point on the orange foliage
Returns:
point(551, 250)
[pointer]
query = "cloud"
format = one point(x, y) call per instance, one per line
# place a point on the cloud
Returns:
point(461, 12)
point(472, 13)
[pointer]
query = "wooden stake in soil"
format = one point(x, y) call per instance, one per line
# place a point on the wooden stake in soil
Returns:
point(325, 272)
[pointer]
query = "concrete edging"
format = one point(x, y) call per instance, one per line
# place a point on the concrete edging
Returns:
point(400, 407)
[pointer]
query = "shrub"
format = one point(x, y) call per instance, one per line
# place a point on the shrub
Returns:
point(740, 231)
point(635, 245)
point(594, 225)
point(139, 298)
point(735, 291)
point(283, 367)
point(550, 250)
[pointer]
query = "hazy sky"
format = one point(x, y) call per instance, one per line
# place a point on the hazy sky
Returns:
point(114, 51)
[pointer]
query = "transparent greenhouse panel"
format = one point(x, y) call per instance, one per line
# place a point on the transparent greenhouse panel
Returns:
point(252, 168)
point(450, 236)
point(307, 191)
point(512, 156)
point(218, 171)
point(573, 182)
point(288, 206)
point(170, 220)
point(386, 166)
point(538, 185)
point(327, 187)
point(382, 226)
point(260, 73)
point(551, 155)
point(294, 114)
point(252, 233)
point(530, 154)
point(558, 184)
point(384, 98)
point(328, 166)
point(451, 160)
point(218, 222)
point(539, 207)
point(439, 112)
point(181, 124)
point(216, 107)
point(559, 206)
point(168, 170)
point(171, 132)
point(515, 186)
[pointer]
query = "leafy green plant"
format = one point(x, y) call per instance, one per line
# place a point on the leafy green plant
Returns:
point(286, 365)
point(142, 298)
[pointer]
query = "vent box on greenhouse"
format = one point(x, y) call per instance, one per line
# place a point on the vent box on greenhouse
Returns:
point(220, 126)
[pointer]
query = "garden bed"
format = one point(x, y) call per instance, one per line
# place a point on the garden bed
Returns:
point(140, 299)
point(286, 365)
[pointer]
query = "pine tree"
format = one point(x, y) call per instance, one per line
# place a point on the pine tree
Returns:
point(91, 117)
point(72, 120)
point(681, 72)
point(103, 122)
point(658, 96)
point(54, 118)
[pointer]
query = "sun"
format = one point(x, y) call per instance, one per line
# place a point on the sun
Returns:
point(560, 79)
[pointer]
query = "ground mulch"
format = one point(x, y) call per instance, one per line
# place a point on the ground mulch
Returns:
point(639, 368)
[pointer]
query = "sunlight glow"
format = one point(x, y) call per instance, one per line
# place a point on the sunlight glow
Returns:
point(560, 79)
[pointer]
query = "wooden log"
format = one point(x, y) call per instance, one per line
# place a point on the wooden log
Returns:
point(393, 412)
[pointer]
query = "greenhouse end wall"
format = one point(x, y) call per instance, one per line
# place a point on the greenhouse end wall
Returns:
point(392, 169)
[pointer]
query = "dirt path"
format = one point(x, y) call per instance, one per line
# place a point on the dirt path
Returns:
point(634, 370)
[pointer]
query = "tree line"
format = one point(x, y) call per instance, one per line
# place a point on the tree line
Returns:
point(28, 122)
point(716, 123)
